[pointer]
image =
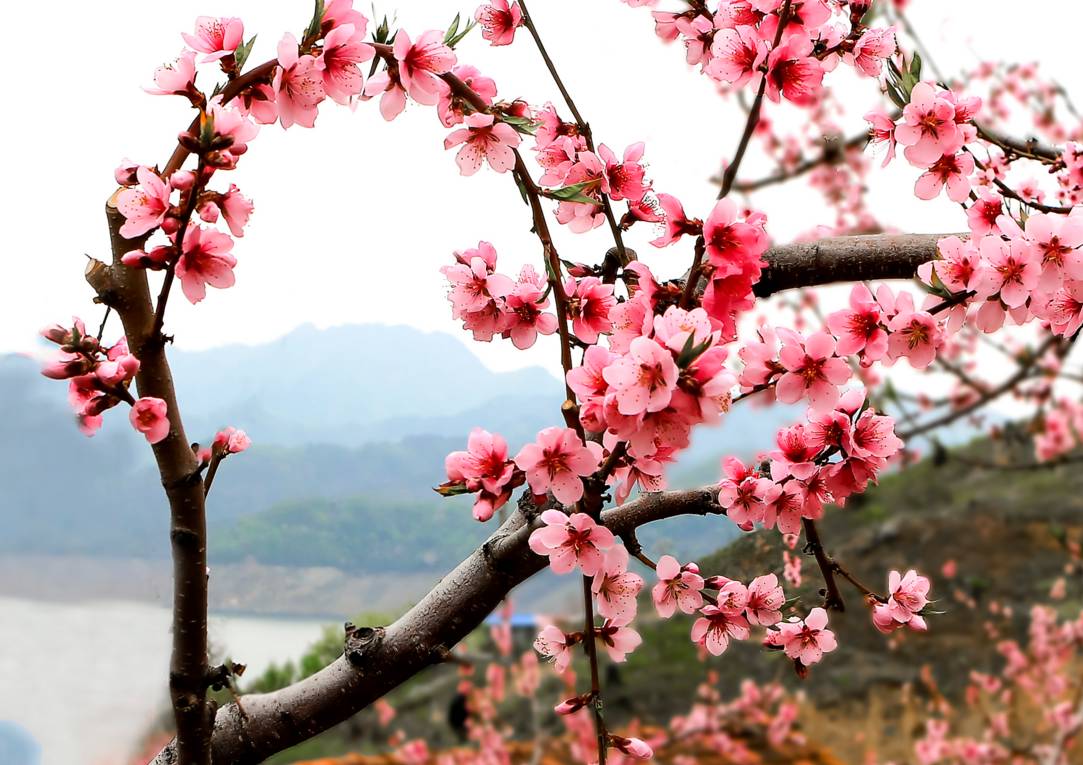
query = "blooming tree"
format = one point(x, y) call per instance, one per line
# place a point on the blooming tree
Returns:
point(647, 357)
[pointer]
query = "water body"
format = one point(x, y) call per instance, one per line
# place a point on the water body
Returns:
point(86, 680)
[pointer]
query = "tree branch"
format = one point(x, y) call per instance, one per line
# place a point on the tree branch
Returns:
point(846, 259)
point(382, 659)
point(126, 290)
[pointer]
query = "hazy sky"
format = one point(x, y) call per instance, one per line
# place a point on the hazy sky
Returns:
point(356, 216)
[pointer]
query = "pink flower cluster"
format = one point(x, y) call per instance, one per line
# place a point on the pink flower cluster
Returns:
point(484, 469)
point(99, 378)
point(826, 459)
point(740, 44)
point(736, 608)
point(491, 304)
point(660, 376)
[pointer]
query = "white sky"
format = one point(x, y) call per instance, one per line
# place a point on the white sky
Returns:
point(358, 214)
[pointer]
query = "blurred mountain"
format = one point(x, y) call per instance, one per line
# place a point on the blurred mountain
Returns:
point(349, 437)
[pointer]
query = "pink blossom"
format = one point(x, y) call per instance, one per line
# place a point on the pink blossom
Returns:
point(421, 63)
point(616, 588)
point(633, 747)
point(959, 266)
point(571, 541)
point(1057, 239)
point(914, 334)
point(796, 450)
point(886, 623)
point(736, 55)
point(231, 440)
point(784, 506)
point(339, 12)
point(216, 37)
point(793, 73)
point(484, 139)
point(765, 601)
point(928, 130)
point(644, 379)
point(235, 125)
point(524, 307)
point(983, 214)
point(618, 640)
point(807, 640)
point(343, 49)
point(1065, 309)
point(908, 595)
point(730, 243)
point(812, 370)
point(871, 49)
point(552, 643)
point(177, 78)
point(393, 98)
point(483, 468)
point(298, 85)
point(498, 21)
point(678, 587)
point(236, 209)
point(557, 462)
point(743, 498)
point(145, 206)
point(589, 302)
point(623, 179)
point(1013, 269)
point(858, 328)
point(150, 417)
point(882, 130)
point(874, 436)
point(474, 284)
point(714, 629)
point(951, 170)
point(206, 259)
point(676, 224)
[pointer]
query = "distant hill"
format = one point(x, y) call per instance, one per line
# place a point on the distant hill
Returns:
point(344, 420)
point(1005, 529)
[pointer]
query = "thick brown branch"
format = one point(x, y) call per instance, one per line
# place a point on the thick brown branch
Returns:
point(845, 258)
point(369, 669)
point(127, 292)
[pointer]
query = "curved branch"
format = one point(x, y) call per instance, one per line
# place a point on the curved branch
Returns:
point(376, 661)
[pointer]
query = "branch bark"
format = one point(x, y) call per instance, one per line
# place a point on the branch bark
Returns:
point(127, 292)
point(376, 661)
point(846, 259)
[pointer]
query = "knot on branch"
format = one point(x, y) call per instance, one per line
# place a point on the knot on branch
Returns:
point(222, 676)
point(360, 641)
point(183, 482)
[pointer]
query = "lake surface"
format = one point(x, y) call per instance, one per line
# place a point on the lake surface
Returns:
point(87, 679)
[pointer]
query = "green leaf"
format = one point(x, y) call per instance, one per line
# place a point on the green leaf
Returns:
point(521, 124)
point(573, 193)
point(522, 189)
point(915, 67)
point(452, 30)
point(690, 352)
point(450, 489)
point(244, 50)
point(454, 36)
